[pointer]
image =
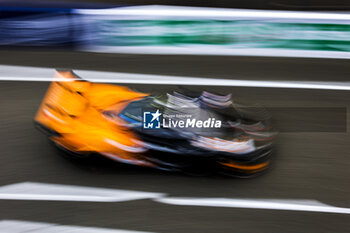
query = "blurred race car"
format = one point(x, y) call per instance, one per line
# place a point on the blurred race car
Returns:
point(86, 119)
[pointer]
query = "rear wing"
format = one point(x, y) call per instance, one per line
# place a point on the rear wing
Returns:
point(64, 99)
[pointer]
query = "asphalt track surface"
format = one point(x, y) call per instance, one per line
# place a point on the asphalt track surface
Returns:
point(307, 165)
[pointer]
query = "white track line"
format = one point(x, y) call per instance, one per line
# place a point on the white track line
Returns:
point(58, 192)
point(30, 74)
point(293, 205)
point(15, 226)
point(154, 11)
point(219, 51)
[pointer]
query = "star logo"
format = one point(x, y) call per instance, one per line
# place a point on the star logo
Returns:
point(155, 115)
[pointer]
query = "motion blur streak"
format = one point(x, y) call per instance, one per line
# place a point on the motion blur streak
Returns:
point(44, 75)
point(211, 31)
point(157, 29)
point(58, 192)
point(14, 226)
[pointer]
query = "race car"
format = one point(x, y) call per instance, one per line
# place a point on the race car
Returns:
point(87, 119)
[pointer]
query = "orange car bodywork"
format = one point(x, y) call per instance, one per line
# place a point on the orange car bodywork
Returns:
point(73, 108)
